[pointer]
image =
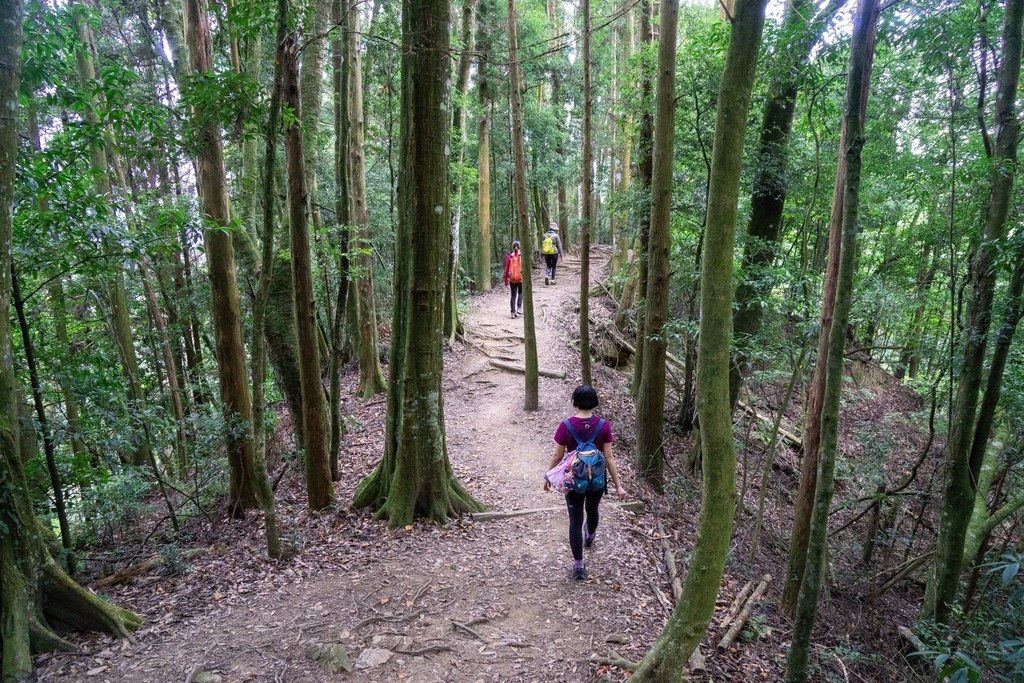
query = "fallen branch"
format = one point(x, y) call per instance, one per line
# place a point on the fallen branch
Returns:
point(697, 661)
point(903, 571)
point(389, 617)
point(789, 437)
point(430, 649)
point(911, 638)
point(659, 595)
point(670, 566)
point(741, 620)
point(632, 506)
point(513, 367)
point(617, 660)
point(737, 602)
point(140, 569)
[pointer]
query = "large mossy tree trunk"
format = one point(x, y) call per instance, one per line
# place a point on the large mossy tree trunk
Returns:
point(650, 401)
point(415, 478)
point(319, 490)
point(804, 504)
point(798, 35)
point(963, 463)
point(644, 172)
point(371, 377)
point(531, 398)
point(243, 491)
point(817, 550)
point(34, 590)
point(690, 618)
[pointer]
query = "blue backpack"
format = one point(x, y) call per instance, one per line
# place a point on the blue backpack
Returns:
point(588, 467)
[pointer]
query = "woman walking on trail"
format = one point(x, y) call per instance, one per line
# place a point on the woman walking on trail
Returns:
point(584, 432)
point(514, 278)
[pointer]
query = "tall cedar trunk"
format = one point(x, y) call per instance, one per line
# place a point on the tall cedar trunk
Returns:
point(315, 26)
point(650, 401)
point(259, 309)
point(768, 196)
point(804, 505)
point(586, 224)
point(558, 101)
point(415, 478)
point(226, 313)
point(861, 45)
point(180, 441)
point(963, 465)
point(689, 621)
point(319, 491)
point(644, 172)
point(458, 137)
point(249, 213)
point(279, 328)
point(33, 588)
point(531, 398)
point(483, 146)
point(49, 449)
point(120, 320)
point(342, 213)
point(371, 377)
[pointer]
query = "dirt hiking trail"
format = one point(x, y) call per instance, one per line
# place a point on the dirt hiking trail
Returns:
point(485, 601)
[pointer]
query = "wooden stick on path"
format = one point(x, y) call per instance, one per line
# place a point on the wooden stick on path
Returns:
point(514, 367)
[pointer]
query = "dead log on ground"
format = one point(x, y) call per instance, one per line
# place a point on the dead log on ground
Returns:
point(142, 568)
point(513, 367)
point(741, 619)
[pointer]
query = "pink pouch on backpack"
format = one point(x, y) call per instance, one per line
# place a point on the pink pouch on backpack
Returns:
point(560, 476)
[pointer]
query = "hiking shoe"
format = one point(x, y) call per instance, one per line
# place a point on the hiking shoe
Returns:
point(579, 572)
point(588, 539)
point(547, 280)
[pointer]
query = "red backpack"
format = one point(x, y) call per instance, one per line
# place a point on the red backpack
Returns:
point(515, 268)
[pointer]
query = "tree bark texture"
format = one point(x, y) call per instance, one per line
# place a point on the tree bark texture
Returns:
point(226, 310)
point(690, 618)
point(963, 466)
point(415, 478)
point(644, 172)
point(531, 399)
point(817, 550)
point(586, 199)
point(371, 377)
point(803, 507)
point(458, 137)
point(319, 490)
point(650, 400)
point(342, 212)
point(483, 146)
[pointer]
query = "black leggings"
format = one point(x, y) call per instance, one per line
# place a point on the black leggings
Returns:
point(578, 504)
point(552, 263)
point(517, 290)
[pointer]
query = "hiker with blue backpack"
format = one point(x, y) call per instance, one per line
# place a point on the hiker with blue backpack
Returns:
point(580, 467)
